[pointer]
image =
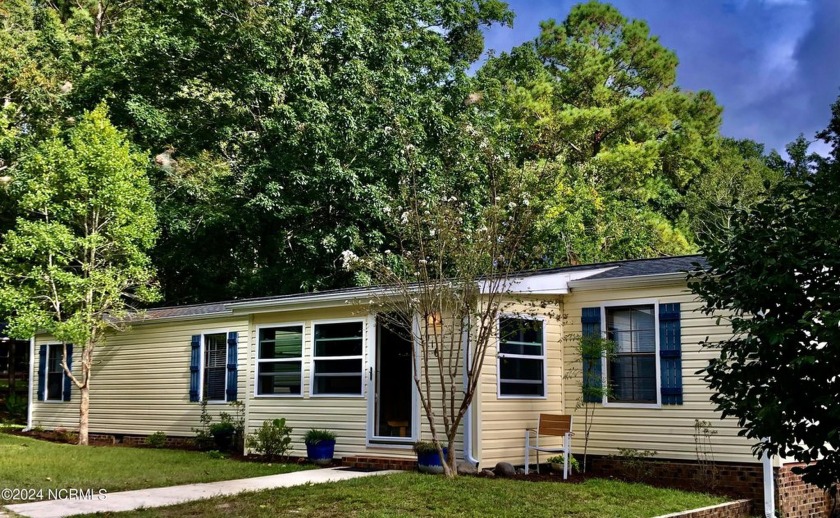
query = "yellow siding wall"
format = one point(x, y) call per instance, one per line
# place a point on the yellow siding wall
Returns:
point(346, 416)
point(670, 429)
point(503, 421)
point(141, 379)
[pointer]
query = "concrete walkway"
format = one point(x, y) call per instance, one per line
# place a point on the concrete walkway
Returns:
point(162, 496)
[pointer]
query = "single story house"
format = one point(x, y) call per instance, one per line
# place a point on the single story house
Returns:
point(323, 360)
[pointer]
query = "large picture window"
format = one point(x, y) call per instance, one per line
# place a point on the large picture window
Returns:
point(215, 366)
point(279, 361)
point(521, 368)
point(631, 373)
point(337, 359)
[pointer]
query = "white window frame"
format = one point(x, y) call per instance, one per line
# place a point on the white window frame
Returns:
point(397, 443)
point(500, 355)
point(201, 352)
point(47, 377)
point(258, 360)
point(604, 363)
point(365, 348)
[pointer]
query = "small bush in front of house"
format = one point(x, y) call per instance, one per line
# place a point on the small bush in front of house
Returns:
point(424, 447)
point(226, 435)
point(16, 407)
point(314, 436)
point(635, 464)
point(156, 440)
point(558, 460)
point(273, 439)
point(203, 438)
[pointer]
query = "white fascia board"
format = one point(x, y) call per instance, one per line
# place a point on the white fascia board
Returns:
point(314, 300)
point(551, 283)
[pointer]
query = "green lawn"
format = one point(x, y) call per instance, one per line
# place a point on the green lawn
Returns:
point(413, 494)
point(33, 464)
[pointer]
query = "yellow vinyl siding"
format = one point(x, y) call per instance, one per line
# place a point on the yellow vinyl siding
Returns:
point(670, 429)
point(141, 380)
point(347, 416)
point(502, 421)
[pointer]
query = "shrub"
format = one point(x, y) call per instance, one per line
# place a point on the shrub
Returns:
point(635, 464)
point(272, 439)
point(216, 454)
point(156, 440)
point(226, 435)
point(203, 438)
point(314, 436)
point(573, 462)
point(424, 447)
point(16, 407)
point(222, 434)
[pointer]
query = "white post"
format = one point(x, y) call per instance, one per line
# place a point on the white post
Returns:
point(769, 486)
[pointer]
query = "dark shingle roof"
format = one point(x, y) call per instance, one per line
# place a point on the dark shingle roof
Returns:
point(640, 267)
point(618, 269)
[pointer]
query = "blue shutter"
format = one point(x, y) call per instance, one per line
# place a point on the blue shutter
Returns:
point(232, 380)
point(195, 348)
point(42, 373)
point(68, 383)
point(591, 326)
point(670, 354)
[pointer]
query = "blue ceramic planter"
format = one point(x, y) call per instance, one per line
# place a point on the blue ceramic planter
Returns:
point(321, 453)
point(430, 462)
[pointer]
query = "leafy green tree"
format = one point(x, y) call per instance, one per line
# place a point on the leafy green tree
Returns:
point(775, 280)
point(76, 260)
point(278, 127)
point(599, 91)
point(736, 177)
point(40, 60)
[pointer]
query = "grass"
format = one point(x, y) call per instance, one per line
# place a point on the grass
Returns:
point(412, 494)
point(33, 464)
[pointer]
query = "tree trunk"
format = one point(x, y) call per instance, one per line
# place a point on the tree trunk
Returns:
point(84, 414)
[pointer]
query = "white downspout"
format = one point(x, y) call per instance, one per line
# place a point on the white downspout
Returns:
point(31, 399)
point(468, 428)
point(769, 487)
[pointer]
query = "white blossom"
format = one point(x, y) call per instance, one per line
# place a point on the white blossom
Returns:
point(348, 258)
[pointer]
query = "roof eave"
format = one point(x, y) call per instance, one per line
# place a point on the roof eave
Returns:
point(629, 282)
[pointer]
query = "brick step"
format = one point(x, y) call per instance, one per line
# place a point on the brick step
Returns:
point(380, 463)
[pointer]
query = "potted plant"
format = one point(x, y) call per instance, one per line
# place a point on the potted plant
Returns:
point(557, 464)
point(428, 458)
point(320, 446)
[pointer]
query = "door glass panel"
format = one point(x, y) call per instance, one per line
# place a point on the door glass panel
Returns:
point(393, 412)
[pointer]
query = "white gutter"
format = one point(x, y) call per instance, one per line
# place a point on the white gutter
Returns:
point(769, 486)
point(30, 399)
point(468, 428)
point(308, 299)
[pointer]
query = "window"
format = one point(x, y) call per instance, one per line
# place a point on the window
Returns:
point(632, 372)
point(521, 369)
point(55, 373)
point(215, 366)
point(279, 360)
point(337, 359)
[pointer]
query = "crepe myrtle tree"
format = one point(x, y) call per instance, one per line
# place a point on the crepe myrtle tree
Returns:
point(76, 260)
point(775, 280)
point(450, 275)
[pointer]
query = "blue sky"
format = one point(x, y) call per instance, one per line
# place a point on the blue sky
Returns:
point(774, 65)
